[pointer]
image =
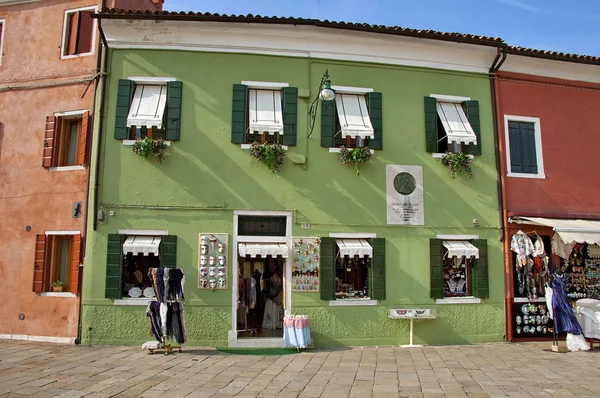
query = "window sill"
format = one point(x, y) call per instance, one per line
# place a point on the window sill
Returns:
point(459, 300)
point(352, 303)
point(337, 150)
point(526, 300)
point(142, 302)
point(525, 175)
point(67, 168)
point(248, 146)
point(58, 294)
point(131, 142)
point(439, 155)
point(76, 55)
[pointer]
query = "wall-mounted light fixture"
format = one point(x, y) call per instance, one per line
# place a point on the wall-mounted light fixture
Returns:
point(326, 94)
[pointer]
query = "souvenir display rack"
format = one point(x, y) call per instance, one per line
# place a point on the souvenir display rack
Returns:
point(305, 267)
point(212, 261)
point(575, 270)
point(531, 320)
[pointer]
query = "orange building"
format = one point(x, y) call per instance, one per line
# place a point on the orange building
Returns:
point(49, 63)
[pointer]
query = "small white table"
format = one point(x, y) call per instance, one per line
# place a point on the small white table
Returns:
point(412, 314)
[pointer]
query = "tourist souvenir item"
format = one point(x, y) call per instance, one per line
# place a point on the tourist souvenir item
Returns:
point(212, 260)
point(305, 266)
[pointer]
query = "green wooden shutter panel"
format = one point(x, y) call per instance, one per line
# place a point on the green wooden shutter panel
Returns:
point(436, 269)
point(377, 280)
point(514, 141)
point(173, 126)
point(482, 289)
point(114, 266)
point(124, 97)
point(327, 269)
point(431, 135)
point(471, 109)
point(328, 124)
point(239, 114)
point(375, 106)
point(290, 115)
point(528, 149)
point(168, 251)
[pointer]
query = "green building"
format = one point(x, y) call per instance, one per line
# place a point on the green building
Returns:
point(350, 247)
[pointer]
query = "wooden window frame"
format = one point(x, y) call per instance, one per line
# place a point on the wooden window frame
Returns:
point(2, 29)
point(67, 34)
point(63, 140)
point(54, 258)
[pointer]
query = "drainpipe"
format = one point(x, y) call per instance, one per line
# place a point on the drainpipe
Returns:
point(500, 173)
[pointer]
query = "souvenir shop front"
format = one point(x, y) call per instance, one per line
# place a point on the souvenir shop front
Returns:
point(540, 248)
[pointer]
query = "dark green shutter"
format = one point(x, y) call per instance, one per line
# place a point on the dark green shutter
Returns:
point(375, 106)
point(290, 114)
point(471, 109)
point(124, 96)
point(168, 251)
point(377, 271)
point(173, 127)
point(523, 152)
point(516, 149)
point(239, 114)
point(328, 124)
point(431, 122)
point(114, 266)
point(436, 269)
point(327, 269)
point(480, 266)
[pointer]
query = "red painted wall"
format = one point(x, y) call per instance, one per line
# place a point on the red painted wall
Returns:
point(570, 129)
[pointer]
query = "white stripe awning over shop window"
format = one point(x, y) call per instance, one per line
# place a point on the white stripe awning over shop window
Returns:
point(144, 245)
point(354, 247)
point(263, 249)
point(460, 248)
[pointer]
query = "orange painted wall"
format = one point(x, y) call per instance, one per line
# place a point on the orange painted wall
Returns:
point(570, 130)
point(31, 195)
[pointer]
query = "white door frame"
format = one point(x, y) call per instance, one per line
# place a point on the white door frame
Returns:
point(236, 239)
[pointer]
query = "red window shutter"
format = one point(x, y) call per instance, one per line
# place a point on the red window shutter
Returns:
point(49, 135)
point(84, 35)
point(74, 271)
point(72, 28)
point(39, 263)
point(82, 150)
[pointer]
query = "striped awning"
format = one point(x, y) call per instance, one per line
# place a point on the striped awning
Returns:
point(263, 249)
point(141, 245)
point(354, 247)
point(460, 248)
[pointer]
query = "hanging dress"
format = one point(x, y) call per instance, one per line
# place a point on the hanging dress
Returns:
point(564, 318)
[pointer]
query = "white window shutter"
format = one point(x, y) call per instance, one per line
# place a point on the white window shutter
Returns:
point(265, 112)
point(354, 116)
point(455, 122)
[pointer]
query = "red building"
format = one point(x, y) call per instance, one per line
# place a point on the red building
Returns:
point(49, 64)
point(548, 128)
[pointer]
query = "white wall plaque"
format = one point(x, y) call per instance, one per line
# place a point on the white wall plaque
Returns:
point(404, 195)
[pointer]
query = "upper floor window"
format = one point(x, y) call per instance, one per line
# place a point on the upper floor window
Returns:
point(65, 141)
point(78, 32)
point(452, 125)
point(523, 147)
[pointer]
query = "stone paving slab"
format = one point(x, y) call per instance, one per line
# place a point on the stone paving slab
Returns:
point(32, 369)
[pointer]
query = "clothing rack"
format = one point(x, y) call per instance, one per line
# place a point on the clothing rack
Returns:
point(167, 323)
point(246, 302)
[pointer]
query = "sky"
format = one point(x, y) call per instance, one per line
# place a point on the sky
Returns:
point(570, 26)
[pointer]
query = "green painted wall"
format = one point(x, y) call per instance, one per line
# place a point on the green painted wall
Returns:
point(205, 178)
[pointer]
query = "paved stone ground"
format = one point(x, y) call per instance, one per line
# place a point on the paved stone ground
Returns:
point(486, 370)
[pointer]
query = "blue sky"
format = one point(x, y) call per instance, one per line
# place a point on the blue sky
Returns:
point(558, 25)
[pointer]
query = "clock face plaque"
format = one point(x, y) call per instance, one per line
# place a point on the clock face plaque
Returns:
point(405, 183)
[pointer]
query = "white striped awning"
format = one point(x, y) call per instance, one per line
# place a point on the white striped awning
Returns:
point(569, 230)
point(460, 248)
point(263, 249)
point(354, 247)
point(141, 244)
point(455, 122)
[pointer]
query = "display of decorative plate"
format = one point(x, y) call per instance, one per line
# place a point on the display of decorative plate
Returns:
point(518, 320)
point(149, 292)
point(525, 309)
point(518, 329)
point(135, 292)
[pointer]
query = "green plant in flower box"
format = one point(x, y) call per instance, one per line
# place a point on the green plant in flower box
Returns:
point(457, 162)
point(272, 155)
point(147, 146)
point(355, 156)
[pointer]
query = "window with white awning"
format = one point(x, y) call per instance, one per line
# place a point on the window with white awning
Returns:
point(265, 112)
point(148, 106)
point(263, 249)
point(455, 122)
point(460, 248)
point(144, 245)
point(354, 116)
point(570, 231)
point(354, 247)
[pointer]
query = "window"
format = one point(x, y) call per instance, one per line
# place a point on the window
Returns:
point(78, 32)
point(458, 269)
point(354, 119)
point(452, 125)
point(2, 28)
point(523, 147)
point(57, 259)
point(65, 142)
point(352, 269)
point(129, 257)
point(148, 107)
point(264, 112)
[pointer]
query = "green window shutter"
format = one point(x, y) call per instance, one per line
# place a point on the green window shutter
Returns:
point(482, 289)
point(436, 269)
point(377, 271)
point(290, 114)
point(114, 266)
point(471, 109)
point(327, 269)
point(168, 251)
point(514, 141)
point(431, 122)
point(239, 114)
point(124, 96)
point(375, 106)
point(173, 126)
point(328, 124)
point(528, 149)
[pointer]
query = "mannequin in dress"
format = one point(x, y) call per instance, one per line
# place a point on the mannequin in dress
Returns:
point(273, 316)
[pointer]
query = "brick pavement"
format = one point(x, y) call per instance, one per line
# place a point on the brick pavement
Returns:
point(486, 370)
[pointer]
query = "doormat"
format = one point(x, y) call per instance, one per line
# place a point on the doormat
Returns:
point(257, 351)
